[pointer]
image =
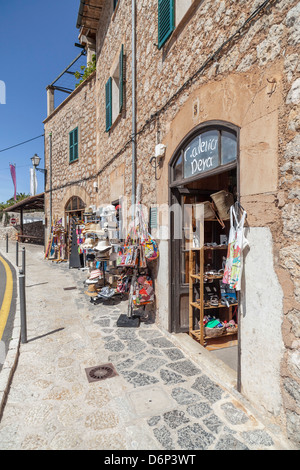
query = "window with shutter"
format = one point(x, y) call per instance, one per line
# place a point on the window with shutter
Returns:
point(108, 103)
point(114, 90)
point(165, 20)
point(121, 78)
point(73, 145)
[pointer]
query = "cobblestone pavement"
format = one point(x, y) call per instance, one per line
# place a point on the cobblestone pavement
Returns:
point(160, 399)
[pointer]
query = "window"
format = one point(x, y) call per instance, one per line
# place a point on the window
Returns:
point(210, 148)
point(114, 93)
point(170, 13)
point(73, 145)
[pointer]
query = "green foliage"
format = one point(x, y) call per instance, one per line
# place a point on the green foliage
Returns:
point(11, 202)
point(86, 71)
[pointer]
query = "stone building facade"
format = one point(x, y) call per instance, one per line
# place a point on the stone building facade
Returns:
point(71, 177)
point(225, 65)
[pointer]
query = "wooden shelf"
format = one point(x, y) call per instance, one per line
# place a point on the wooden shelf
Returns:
point(197, 334)
point(196, 258)
point(208, 276)
point(198, 305)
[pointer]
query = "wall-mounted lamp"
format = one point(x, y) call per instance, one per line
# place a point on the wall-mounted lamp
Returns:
point(160, 151)
point(95, 185)
point(35, 160)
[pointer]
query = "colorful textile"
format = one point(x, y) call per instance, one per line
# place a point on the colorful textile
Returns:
point(236, 244)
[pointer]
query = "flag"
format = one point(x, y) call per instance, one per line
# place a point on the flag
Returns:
point(33, 182)
point(13, 175)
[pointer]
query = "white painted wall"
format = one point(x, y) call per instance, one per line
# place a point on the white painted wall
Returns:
point(261, 323)
point(162, 285)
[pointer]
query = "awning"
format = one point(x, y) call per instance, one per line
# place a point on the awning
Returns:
point(36, 202)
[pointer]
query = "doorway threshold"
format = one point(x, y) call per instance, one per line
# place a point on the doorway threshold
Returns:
point(209, 361)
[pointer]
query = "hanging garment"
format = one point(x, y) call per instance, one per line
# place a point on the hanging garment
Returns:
point(236, 244)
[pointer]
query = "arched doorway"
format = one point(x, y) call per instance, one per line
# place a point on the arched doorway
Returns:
point(74, 210)
point(205, 162)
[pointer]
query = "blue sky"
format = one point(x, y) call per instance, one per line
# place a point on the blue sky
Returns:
point(36, 44)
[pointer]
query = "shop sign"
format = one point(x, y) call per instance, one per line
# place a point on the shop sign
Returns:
point(202, 154)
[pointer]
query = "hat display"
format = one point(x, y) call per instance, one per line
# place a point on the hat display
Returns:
point(92, 290)
point(88, 211)
point(88, 243)
point(103, 245)
point(93, 228)
point(95, 274)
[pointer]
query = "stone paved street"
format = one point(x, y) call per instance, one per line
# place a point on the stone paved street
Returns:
point(160, 398)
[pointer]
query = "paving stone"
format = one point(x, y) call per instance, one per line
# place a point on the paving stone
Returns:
point(173, 354)
point(229, 442)
point(151, 364)
point(208, 388)
point(126, 333)
point(257, 438)
point(198, 410)
point(185, 367)
point(171, 378)
point(136, 346)
point(175, 418)
point(105, 322)
point(233, 414)
point(154, 420)
point(194, 437)
point(114, 345)
point(213, 423)
point(160, 342)
point(183, 396)
point(127, 364)
point(163, 436)
point(139, 379)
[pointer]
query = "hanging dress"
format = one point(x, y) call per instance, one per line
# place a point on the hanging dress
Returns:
point(236, 244)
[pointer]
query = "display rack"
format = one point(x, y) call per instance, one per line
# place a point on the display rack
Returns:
point(197, 275)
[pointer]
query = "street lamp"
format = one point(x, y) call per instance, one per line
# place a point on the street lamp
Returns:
point(35, 160)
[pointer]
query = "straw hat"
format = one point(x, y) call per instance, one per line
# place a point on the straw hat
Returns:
point(88, 243)
point(92, 290)
point(94, 274)
point(88, 211)
point(92, 228)
point(103, 245)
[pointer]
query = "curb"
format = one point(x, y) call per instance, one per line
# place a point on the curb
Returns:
point(12, 355)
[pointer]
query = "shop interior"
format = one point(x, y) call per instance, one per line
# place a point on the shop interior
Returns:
point(213, 305)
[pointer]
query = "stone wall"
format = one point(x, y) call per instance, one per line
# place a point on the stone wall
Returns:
point(76, 178)
point(253, 82)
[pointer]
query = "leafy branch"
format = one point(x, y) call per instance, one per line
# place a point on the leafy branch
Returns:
point(86, 71)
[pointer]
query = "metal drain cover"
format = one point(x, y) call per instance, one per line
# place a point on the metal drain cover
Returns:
point(102, 372)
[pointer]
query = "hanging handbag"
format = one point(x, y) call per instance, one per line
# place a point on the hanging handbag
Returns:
point(151, 249)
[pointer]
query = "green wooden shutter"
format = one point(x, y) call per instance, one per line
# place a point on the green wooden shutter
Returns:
point(71, 147)
point(165, 20)
point(108, 101)
point(121, 78)
point(75, 143)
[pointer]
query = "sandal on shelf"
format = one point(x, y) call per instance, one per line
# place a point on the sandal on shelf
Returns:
point(224, 301)
point(214, 301)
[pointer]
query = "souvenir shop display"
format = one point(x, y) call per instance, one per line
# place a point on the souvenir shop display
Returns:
point(138, 250)
point(215, 271)
point(56, 246)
